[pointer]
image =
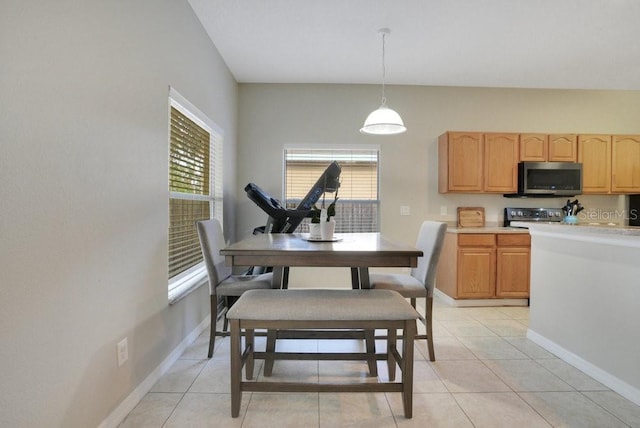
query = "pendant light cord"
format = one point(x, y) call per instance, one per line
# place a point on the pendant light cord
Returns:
point(384, 99)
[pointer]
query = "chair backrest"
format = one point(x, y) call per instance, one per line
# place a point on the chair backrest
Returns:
point(211, 242)
point(430, 240)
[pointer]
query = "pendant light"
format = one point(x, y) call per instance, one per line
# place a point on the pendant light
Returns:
point(383, 121)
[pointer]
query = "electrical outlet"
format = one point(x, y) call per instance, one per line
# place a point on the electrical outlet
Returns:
point(123, 352)
point(405, 210)
point(443, 210)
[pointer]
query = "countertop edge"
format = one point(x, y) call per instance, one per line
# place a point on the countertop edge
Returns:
point(622, 236)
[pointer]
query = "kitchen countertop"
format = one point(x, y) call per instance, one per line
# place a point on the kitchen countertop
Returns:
point(624, 236)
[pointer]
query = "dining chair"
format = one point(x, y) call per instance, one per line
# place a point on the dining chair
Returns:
point(221, 282)
point(420, 281)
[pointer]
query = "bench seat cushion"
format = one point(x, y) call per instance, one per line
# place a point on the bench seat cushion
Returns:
point(319, 305)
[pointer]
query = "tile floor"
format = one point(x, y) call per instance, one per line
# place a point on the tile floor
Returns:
point(487, 374)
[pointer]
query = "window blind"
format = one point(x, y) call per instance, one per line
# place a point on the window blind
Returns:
point(195, 193)
point(358, 203)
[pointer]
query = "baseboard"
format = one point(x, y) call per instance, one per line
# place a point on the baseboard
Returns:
point(629, 392)
point(461, 303)
point(128, 404)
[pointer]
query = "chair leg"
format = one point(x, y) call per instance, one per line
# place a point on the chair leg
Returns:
point(214, 316)
point(225, 321)
point(428, 318)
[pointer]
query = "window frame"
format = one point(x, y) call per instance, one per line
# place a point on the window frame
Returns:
point(194, 277)
point(329, 157)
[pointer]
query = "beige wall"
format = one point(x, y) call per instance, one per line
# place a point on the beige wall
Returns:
point(83, 217)
point(275, 115)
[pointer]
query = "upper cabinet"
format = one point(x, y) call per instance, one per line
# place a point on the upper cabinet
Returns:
point(548, 148)
point(460, 162)
point(470, 162)
point(534, 147)
point(594, 152)
point(625, 164)
point(563, 148)
point(476, 162)
point(501, 163)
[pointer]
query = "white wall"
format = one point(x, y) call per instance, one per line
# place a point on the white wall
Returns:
point(584, 302)
point(272, 116)
point(83, 217)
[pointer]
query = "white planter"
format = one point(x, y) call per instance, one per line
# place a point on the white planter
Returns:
point(327, 228)
point(314, 231)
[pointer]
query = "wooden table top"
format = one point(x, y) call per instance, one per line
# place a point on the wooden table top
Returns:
point(351, 249)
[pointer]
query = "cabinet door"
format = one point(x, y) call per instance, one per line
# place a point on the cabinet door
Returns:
point(533, 147)
point(563, 148)
point(594, 152)
point(476, 272)
point(462, 161)
point(501, 153)
point(513, 272)
point(625, 164)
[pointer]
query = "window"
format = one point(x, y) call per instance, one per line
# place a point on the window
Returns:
point(195, 191)
point(358, 203)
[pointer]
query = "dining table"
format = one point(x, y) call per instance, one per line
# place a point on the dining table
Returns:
point(357, 251)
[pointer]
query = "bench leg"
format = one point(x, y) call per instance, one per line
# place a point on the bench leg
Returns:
point(271, 347)
point(407, 367)
point(236, 368)
point(250, 345)
point(370, 342)
point(392, 340)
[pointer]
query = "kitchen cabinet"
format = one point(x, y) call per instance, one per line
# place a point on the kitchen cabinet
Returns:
point(472, 162)
point(460, 162)
point(594, 152)
point(513, 259)
point(501, 154)
point(534, 147)
point(563, 148)
point(484, 265)
point(625, 163)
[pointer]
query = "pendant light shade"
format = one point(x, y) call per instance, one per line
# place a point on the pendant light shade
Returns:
point(383, 121)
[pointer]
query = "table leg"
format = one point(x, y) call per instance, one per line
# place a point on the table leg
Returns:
point(355, 278)
point(278, 275)
point(285, 278)
point(363, 273)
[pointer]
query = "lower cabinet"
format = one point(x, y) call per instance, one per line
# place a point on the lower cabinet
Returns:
point(485, 265)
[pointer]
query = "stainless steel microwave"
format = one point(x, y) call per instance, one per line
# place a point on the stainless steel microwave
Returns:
point(549, 179)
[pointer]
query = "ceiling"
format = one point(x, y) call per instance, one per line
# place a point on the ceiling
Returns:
point(573, 44)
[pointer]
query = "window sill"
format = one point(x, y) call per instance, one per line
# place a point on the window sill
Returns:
point(185, 285)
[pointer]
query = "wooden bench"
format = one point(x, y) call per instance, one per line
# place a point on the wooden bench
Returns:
point(322, 310)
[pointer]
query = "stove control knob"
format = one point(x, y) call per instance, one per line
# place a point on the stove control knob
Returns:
point(520, 213)
point(513, 213)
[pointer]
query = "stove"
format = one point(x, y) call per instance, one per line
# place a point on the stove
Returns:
point(545, 215)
